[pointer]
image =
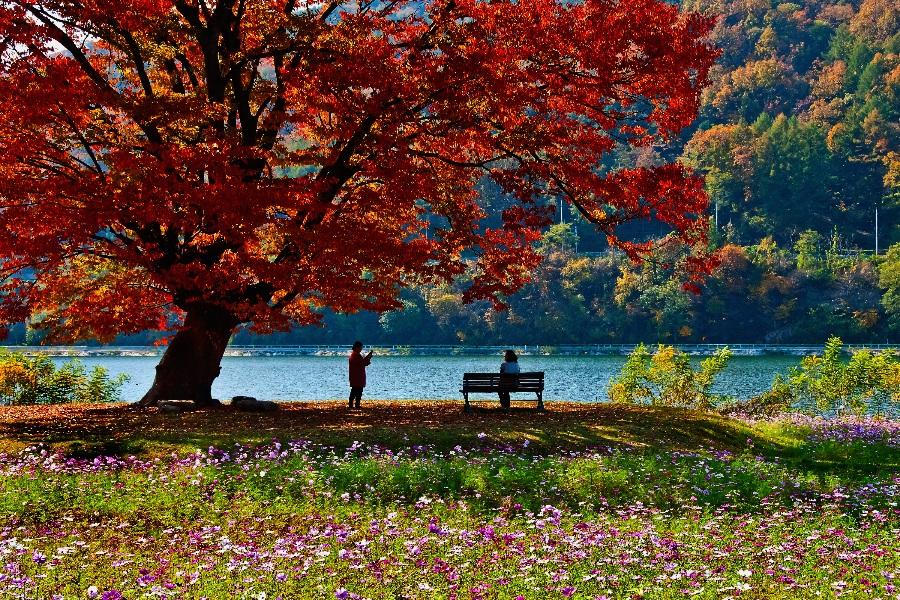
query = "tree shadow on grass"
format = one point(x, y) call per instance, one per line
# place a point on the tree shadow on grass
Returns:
point(394, 424)
point(122, 429)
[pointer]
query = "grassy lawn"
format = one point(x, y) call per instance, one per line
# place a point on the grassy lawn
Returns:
point(417, 500)
point(120, 429)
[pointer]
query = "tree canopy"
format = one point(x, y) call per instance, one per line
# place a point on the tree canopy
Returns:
point(205, 163)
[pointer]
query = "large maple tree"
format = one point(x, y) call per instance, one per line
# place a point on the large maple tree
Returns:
point(196, 165)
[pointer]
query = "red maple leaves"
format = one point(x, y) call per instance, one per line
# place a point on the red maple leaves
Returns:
point(274, 157)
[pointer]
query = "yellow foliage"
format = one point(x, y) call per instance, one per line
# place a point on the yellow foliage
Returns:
point(758, 74)
point(866, 318)
point(830, 80)
point(892, 174)
point(876, 19)
point(837, 137)
point(668, 378)
point(625, 283)
point(13, 375)
point(576, 272)
point(768, 42)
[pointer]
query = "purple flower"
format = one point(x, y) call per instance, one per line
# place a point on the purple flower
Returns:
point(341, 594)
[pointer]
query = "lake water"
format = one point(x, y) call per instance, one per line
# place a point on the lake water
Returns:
point(576, 378)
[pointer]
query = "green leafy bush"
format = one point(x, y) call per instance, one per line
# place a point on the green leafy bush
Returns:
point(867, 383)
point(774, 401)
point(37, 380)
point(667, 378)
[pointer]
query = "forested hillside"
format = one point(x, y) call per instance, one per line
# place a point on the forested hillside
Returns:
point(799, 140)
point(799, 129)
point(759, 293)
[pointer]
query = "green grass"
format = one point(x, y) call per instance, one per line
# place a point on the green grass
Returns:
point(581, 502)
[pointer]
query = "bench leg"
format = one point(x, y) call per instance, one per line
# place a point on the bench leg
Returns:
point(467, 409)
point(540, 396)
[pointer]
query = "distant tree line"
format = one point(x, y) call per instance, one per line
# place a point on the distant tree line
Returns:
point(761, 293)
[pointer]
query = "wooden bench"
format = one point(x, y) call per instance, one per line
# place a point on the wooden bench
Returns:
point(492, 383)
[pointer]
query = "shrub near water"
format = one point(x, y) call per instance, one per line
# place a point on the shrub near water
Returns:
point(667, 378)
point(37, 380)
point(868, 382)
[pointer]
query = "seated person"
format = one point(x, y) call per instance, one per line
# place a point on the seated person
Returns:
point(509, 366)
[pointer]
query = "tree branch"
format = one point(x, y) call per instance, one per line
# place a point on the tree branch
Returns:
point(138, 62)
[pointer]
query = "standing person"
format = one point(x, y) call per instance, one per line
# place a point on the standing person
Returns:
point(358, 364)
point(509, 366)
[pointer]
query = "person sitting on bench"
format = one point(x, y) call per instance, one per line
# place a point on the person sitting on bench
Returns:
point(509, 366)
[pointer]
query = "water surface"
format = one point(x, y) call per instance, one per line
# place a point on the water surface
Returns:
point(576, 378)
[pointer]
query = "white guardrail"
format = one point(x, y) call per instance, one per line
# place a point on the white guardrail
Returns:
point(451, 350)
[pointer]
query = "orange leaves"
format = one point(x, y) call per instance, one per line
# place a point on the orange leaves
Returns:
point(506, 262)
point(89, 297)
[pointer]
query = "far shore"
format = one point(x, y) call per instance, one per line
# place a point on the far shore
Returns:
point(450, 350)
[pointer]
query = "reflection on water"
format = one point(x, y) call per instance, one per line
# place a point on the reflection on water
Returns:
point(577, 378)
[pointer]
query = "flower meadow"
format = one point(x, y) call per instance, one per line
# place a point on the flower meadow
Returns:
point(491, 519)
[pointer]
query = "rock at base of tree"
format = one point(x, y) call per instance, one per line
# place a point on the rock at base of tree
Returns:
point(250, 404)
point(172, 407)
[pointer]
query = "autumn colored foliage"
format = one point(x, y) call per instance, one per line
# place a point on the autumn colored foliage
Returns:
point(254, 161)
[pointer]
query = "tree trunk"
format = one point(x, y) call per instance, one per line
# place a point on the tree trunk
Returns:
point(191, 361)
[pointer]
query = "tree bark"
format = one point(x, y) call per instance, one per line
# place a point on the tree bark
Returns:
point(192, 360)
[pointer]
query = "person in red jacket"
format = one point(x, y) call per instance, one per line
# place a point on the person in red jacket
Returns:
point(358, 364)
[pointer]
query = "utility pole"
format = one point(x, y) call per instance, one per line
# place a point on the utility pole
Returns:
point(876, 230)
